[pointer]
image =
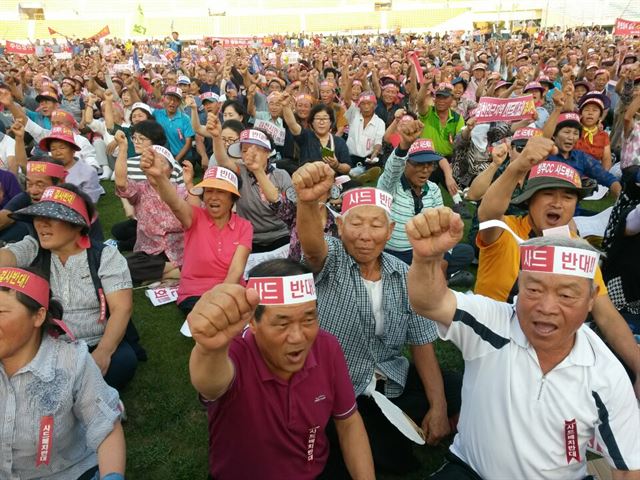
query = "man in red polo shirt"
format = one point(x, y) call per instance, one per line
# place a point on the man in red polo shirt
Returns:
point(271, 389)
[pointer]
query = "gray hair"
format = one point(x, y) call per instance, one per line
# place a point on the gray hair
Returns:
point(560, 241)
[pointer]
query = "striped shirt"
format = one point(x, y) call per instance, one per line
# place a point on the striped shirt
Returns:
point(344, 309)
point(71, 283)
point(61, 382)
point(404, 205)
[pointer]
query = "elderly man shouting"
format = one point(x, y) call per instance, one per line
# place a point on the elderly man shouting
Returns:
point(271, 389)
point(362, 300)
point(538, 384)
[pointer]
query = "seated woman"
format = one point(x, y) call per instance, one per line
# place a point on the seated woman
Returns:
point(61, 145)
point(594, 141)
point(217, 242)
point(253, 149)
point(159, 245)
point(92, 280)
point(62, 418)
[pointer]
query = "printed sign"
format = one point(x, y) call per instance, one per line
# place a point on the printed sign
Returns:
point(491, 109)
point(626, 27)
point(276, 132)
point(162, 295)
point(19, 49)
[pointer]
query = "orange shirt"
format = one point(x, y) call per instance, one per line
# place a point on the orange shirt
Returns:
point(499, 263)
point(595, 149)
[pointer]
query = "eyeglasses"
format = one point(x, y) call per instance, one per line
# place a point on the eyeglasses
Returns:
point(229, 140)
point(424, 166)
point(321, 119)
point(139, 139)
point(519, 148)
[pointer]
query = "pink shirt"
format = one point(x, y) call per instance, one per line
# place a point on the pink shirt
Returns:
point(208, 251)
point(267, 428)
point(158, 229)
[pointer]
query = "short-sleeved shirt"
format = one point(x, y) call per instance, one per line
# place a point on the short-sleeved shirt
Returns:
point(208, 251)
point(442, 137)
point(499, 262)
point(517, 422)
point(63, 383)
point(281, 422)
point(595, 149)
point(254, 206)
point(406, 204)
point(362, 138)
point(158, 230)
point(311, 149)
point(71, 283)
point(344, 309)
point(177, 129)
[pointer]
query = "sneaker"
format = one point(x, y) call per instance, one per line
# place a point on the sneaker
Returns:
point(123, 412)
point(461, 279)
point(106, 173)
point(370, 177)
point(462, 210)
point(356, 171)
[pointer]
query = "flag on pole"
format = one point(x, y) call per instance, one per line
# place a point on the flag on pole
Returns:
point(139, 26)
point(52, 31)
point(136, 60)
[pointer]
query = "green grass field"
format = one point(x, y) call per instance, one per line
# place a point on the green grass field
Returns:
point(166, 430)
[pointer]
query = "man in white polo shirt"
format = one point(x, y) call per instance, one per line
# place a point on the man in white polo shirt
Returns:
point(538, 384)
point(366, 130)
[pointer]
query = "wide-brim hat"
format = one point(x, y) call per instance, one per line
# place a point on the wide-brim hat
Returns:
point(551, 174)
point(59, 133)
point(52, 210)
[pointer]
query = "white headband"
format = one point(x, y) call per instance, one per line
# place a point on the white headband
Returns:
point(551, 259)
point(284, 290)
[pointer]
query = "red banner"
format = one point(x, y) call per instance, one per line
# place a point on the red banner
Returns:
point(491, 109)
point(102, 33)
point(19, 49)
point(626, 27)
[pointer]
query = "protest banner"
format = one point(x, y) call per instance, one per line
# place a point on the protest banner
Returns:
point(277, 133)
point(19, 49)
point(491, 109)
point(626, 27)
point(162, 295)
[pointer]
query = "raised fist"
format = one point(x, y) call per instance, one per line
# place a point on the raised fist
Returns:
point(434, 231)
point(221, 314)
point(312, 181)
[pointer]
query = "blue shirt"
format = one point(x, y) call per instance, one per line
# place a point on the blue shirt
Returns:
point(177, 129)
point(37, 117)
point(587, 166)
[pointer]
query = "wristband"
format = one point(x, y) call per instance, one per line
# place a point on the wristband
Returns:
point(113, 476)
point(400, 152)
